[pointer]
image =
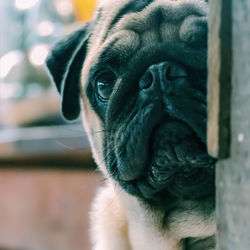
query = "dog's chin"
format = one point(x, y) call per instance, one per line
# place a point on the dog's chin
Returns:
point(179, 167)
point(180, 162)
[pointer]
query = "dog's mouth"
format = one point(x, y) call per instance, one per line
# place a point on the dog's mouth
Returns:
point(179, 161)
point(178, 166)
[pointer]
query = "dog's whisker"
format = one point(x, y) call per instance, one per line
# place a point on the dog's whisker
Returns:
point(100, 131)
point(90, 184)
point(63, 144)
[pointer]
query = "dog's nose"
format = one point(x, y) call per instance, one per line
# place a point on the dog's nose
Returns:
point(157, 76)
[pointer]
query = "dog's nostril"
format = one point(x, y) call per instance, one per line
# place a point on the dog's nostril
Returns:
point(168, 74)
point(146, 81)
point(160, 74)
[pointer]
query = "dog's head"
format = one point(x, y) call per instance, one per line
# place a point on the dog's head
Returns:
point(139, 68)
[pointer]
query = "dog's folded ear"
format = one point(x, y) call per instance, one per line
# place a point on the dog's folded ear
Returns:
point(65, 63)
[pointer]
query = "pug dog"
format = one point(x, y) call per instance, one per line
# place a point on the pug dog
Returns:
point(138, 72)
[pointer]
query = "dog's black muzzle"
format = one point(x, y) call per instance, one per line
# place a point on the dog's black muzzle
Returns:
point(166, 150)
point(175, 88)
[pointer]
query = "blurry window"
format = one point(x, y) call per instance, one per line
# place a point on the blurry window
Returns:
point(30, 120)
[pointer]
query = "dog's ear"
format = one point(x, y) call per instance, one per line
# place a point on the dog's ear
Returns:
point(65, 63)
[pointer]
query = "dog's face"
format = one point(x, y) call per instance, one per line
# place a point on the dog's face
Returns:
point(140, 69)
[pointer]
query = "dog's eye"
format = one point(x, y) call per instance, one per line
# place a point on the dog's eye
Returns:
point(104, 85)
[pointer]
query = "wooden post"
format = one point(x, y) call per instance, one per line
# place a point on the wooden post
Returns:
point(230, 99)
point(219, 78)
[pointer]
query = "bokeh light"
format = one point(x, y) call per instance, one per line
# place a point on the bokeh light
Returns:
point(38, 54)
point(8, 61)
point(64, 7)
point(25, 4)
point(45, 28)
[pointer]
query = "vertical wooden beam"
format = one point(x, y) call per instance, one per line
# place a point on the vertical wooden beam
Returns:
point(219, 78)
point(232, 174)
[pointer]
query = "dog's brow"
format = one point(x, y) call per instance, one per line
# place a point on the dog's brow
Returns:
point(118, 50)
point(130, 7)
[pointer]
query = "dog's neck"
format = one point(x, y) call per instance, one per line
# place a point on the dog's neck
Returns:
point(188, 228)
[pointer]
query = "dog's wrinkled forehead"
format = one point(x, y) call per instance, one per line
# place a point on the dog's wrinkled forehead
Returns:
point(138, 13)
point(123, 27)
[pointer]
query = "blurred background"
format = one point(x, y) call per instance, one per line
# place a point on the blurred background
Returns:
point(47, 175)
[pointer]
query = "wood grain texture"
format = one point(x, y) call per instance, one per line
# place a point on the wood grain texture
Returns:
point(233, 175)
point(219, 78)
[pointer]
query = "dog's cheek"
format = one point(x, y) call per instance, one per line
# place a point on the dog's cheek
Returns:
point(94, 129)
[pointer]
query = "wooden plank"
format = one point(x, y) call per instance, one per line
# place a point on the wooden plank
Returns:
point(219, 78)
point(71, 160)
point(233, 174)
point(43, 140)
